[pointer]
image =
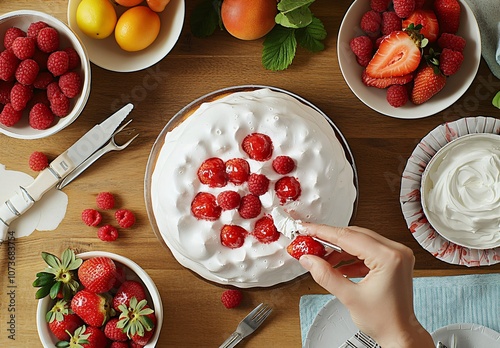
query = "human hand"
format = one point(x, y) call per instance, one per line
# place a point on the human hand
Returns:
point(380, 304)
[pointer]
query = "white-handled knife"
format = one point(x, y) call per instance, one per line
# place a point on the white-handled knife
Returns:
point(59, 168)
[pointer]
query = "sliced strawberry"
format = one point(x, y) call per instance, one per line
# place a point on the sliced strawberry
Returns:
point(265, 231)
point(287, 189)
point(258, 146)
point(212, 172)
point(302, 245)
point(232, 236)
point(237, 170)
point(397, 55)
point(204, 207)
point(428, 20)
point(427, 83)
point(386, 81)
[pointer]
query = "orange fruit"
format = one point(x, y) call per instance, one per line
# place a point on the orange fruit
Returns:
point(248, 20)
point(137, 28)
point(128, 3)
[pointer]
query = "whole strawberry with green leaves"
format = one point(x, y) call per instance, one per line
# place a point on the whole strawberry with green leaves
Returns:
point(59, 279)
point(85, 337)
point(62, 320)
point(137, 320)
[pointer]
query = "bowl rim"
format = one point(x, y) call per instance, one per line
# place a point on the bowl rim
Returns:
point(425, 182)
point(43, 329)
point(86, 68)
point(408, 111)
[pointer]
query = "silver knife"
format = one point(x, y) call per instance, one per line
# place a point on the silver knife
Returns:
point(360, 340)
point(25, 197)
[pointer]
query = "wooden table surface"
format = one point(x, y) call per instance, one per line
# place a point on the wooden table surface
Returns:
point(194, 316)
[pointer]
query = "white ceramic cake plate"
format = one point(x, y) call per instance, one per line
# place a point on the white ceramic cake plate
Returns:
point(468, 336)
point(410, 200)
point(176, 120)
point(331, 327)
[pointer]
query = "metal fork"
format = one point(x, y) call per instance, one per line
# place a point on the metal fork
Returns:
point(248, 325)
point(111, 145)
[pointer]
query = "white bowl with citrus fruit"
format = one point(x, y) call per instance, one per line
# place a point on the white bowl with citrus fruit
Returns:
point(126, 35)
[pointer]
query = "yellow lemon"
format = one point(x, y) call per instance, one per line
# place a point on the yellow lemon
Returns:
point(96, 18)
point(137, 28)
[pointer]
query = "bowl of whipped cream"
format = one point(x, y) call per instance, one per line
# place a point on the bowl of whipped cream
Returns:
point(460, 191)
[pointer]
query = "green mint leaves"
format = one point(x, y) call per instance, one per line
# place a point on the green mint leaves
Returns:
point(295, 26)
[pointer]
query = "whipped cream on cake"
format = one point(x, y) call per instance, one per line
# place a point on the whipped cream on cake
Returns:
point(217, 129)
point(463, 201)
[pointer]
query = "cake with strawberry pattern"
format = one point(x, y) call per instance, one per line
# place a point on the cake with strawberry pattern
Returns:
point(234, 156)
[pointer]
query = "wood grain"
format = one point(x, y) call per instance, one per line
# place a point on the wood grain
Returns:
point(194, 316)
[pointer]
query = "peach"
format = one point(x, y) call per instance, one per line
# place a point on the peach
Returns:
point(248, 20)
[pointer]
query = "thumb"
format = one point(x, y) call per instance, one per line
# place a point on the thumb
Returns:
point(328, 277)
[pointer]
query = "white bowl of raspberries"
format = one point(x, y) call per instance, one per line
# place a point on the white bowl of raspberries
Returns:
point(409, 58)
point(44, 75)
point(96, 298)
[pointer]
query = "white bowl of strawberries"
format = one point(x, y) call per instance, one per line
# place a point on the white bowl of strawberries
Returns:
point(409, 62)
point(44, 75)
point(97, 297)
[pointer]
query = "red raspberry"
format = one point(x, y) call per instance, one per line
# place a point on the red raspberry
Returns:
point(23, 47)
point(20, 96)
point(258, 184)
point(125, 218)
point(403, 8)
point(231, 298)
point(38, 161)
point(41, 58)
point(232, 236)
point(363, 61)
point(74, 58)
point(362, 46)
point(53, 90)
point(58, 63)
point(107, 233)
point(204, 207)
point(237, 170)
point(451, 41)
point(9, 116)
point(450, 61)
point(5, 88)
point(212, 172)
point(250, 206)
point(265, 231)
point(47, 40)
point(258, 146)
point(397, 95)
point(371, 22)
point(60, 105)
point(39, 96)
point(105, 200)
point(35, 27)
point(283, 165)
point(228, 200)
point(8, 65)
point(91, 217)
point(379, 5)
point(40, 116)
point(390, 22)
point(287, 189)
point(27, 71)
point(419, 4)
point(70, 84)
point(10, 35)
point(43, 79)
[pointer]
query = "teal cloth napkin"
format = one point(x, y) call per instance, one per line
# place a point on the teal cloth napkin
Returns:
point(438, 301)
point(487, 13)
